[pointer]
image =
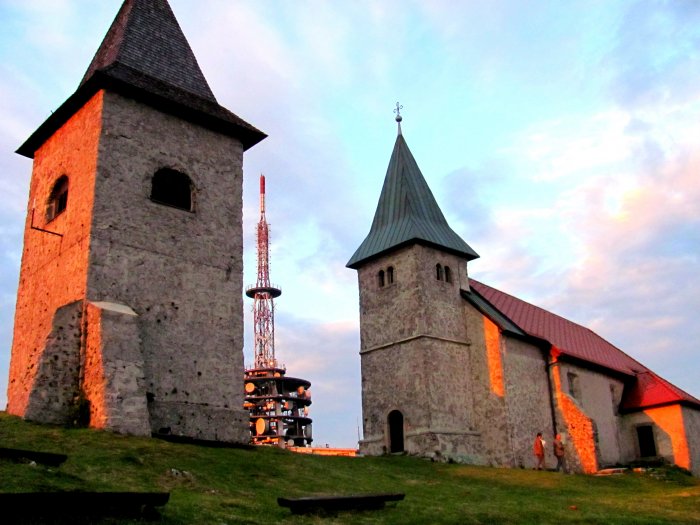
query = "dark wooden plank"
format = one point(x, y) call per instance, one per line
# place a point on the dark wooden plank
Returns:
point(338, 502)
point(45, 458)
point(80, 503)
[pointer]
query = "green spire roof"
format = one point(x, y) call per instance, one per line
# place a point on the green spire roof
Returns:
point(407, 213)
point(145, 56)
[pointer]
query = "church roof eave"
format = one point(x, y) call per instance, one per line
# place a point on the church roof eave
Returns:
point(170, 99)
point(363, 256)
point(145, 56)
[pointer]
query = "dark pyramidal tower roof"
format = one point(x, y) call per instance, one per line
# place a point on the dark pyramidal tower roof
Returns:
point(407, 213)
point(146, 56)
point(146, 36)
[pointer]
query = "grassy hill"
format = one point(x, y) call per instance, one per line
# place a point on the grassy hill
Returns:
point(229, 485)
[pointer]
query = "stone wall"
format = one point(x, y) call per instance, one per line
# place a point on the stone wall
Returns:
point(691, 420)
point(390, 381)
point(113, 379)
point(599, 398)
point(54, 269)
point(54, 394)
point(486, 360)
point(180, 271)
point(528, 401)
point(576, 427)
point(675, 430)
point(415, 356)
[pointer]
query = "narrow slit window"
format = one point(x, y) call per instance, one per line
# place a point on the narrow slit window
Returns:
point(58, 198)
point(574, 386)
point(380, 278)
point(172, 188)
point(448, 274)
point(390, 275)
point(438, 272)
point(613, 398)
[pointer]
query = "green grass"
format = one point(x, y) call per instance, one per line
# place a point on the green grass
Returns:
point(227, 486)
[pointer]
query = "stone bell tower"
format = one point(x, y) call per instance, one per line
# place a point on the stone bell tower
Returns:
point(129, 310)
point(417, 394)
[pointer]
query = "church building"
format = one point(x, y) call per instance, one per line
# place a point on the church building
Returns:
point(454, 369)
point(129, 311)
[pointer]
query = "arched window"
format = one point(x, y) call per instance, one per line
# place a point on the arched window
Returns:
point(395, 421)
point(380, 278)
point(172, 188)
point(438, 272)
point(58, 198)
point(448, 274)
point(390, 275)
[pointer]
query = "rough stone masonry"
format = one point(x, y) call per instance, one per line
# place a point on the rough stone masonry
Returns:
point(129, 311)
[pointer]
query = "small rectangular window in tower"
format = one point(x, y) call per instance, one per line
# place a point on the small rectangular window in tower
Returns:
point(438, 272)
point(613, 399)
point(380, 278)
point(574, 387)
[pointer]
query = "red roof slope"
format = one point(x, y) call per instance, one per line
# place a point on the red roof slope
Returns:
point(652, 390)
point(581, 343)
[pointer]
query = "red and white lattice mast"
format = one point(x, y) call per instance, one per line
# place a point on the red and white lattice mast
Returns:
point(278, 405)
point(263, 294)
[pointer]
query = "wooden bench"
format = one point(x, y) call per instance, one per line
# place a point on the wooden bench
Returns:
point(45, 458)
point(336, 503)
point(79, 503)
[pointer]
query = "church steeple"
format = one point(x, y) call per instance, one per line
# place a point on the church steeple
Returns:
point(146, 57)
point(145, 36)
point(138, 175)
point(407, 212)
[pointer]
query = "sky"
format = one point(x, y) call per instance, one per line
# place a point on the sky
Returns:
point(560, 139)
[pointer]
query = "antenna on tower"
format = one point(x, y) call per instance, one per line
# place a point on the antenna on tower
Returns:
point(263, 294)
point(278, 405)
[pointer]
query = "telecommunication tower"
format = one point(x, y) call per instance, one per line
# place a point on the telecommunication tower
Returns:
point(278, 405)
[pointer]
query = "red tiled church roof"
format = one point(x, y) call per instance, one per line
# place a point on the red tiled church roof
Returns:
point(579, 342)
point(651, 390)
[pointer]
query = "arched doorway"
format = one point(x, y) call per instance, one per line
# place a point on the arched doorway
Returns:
point(395, 420)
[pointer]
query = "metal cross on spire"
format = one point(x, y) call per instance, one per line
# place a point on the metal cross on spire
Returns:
point(399, 118)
